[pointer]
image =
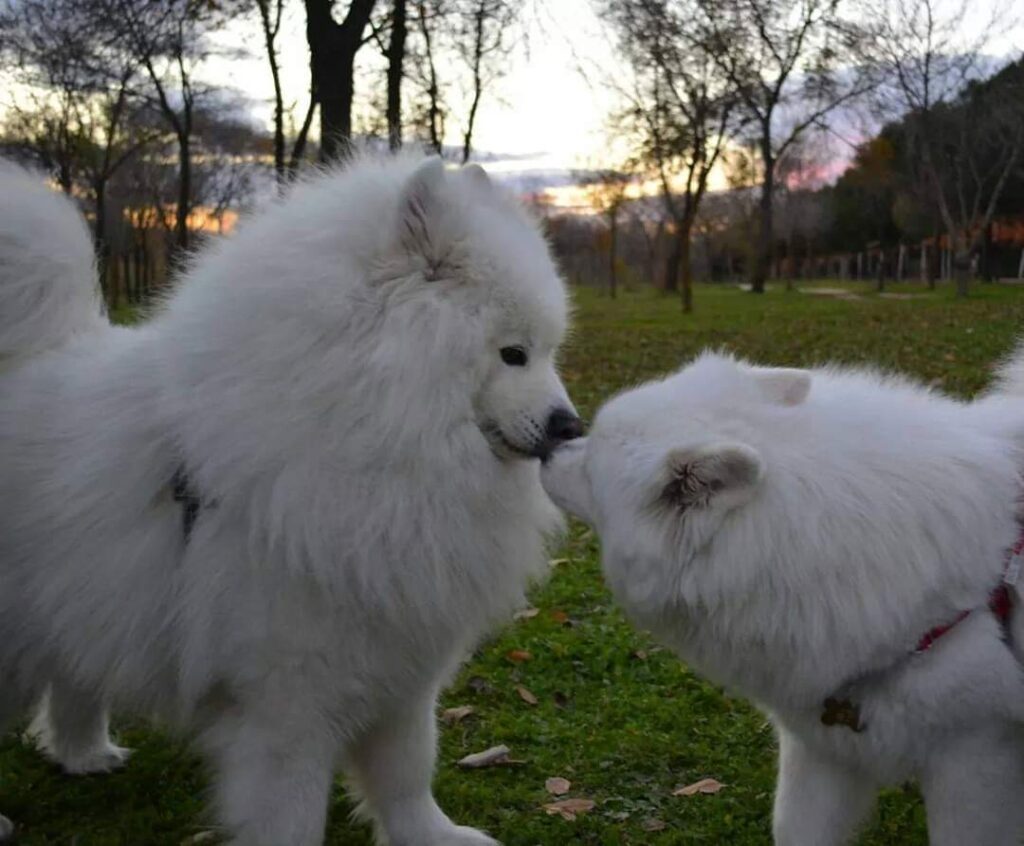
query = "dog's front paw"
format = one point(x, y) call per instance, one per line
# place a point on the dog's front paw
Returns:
point(104, 759)
point(6, 828)
point(463, 835)
point(448, 835)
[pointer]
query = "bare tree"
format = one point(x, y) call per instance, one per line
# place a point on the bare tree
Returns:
point(430, 110)
point(271, 12)
point(333, 45)
point(168, 39)
point(286, 164)
point(680, 111)
point(784, 59)
point(396, 72)
point(79, 121)
point(485, 39)
point(968, 139)
point(606, 190)
point(800, 213)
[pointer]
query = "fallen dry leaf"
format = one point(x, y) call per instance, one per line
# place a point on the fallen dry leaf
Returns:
point(557, 562)
point(560, 616)
point(640, 655)
point(526, 695)
point(557, 786)
point(518, 656)
point(526, 614)
point(567, 809)
point(451, 716)
point(653, 825)
point(705, 785)
point(488, 758)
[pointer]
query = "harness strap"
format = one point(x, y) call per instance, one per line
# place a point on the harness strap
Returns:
point(841, 710)
point(183, 492)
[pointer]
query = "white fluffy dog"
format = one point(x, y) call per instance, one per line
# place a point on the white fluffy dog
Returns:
point(812, 540)
point(286, 507)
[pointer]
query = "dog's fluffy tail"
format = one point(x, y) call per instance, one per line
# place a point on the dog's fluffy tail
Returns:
point(48, 287)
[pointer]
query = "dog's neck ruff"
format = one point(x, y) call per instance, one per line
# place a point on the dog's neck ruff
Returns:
point(840, 709)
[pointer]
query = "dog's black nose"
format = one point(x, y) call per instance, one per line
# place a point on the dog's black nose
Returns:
point(563, 425)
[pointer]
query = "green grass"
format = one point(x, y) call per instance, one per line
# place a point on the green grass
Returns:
point(622, 720)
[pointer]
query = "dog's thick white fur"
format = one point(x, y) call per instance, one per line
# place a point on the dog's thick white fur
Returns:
point(332, 389)
point(793, 534)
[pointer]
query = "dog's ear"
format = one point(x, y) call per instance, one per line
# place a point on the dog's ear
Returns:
point(783, 385)
point(724, 474)
point(477, 177)
point(421, 210)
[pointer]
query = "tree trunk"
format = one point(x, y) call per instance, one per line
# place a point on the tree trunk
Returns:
point(960, 261)
point(270, 30)
point(336, 116)
point(985, 259)
point(396, 59)
point(332, 50)
point(790, 264)
point(613, 233)
point(685, 268)
point(181, 234)
point(478, 47)
point(763, 253)
point(299, 147)
point(100, 235)
point(433, 89)
point(934, 262)
point(672, 264)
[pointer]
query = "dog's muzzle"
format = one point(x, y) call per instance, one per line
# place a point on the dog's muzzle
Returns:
point(562, 425)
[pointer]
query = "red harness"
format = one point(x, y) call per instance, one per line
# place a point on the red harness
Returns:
point(842, 709)
point(999, 602)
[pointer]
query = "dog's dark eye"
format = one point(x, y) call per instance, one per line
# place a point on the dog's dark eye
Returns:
point(514, 356)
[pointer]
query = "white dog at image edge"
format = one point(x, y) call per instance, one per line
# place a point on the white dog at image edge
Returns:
point(285, 508)
point(800, 537)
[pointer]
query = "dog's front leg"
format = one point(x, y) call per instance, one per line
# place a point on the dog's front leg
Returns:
point(71, 729)
point(274, 762)
point(818, 802)
point(973, 787)
point(393, 766)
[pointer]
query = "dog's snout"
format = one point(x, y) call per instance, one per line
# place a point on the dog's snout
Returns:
point(563, 425)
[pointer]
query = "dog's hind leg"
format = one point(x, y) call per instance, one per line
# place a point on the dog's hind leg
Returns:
point(973, 789)
point(393, 766)
point(71, 728)
point(818, 802)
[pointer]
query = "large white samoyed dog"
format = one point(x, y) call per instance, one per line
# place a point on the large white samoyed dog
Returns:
point(283, 510)
point(828, 543)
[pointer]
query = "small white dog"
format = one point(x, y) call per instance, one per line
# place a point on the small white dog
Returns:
point(813, 539)
point(284, 509)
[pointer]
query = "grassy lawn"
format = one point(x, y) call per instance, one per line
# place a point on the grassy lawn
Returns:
point(625, 722)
